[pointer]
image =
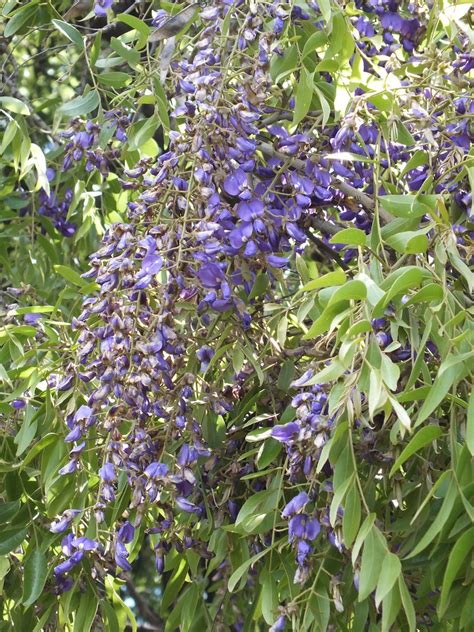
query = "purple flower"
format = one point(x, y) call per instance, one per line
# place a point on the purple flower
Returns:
point(126, 533)
point(279, 624)
point(286, 433)
point(210, 275)
point(32, 319)
point(101, 6)
point(84, 544)
point(277, 262)
point(107, 473)
point(301, 381)
point(152, 263)
point(251, 210)
point(303, 549)
point(235, 182)
point(84, 412)
point(302, 527)
point(121, 557)
point(18, 404)
point(69, 564)
point(156, 470)
point(205, 355)
point(74, 435)
point(60, 525)
point(186, 505)
point(364, 27)
point(295, 505)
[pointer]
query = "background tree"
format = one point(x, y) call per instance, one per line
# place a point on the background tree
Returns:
point(236, 346)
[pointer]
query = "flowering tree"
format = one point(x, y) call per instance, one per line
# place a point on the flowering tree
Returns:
point(236, 296)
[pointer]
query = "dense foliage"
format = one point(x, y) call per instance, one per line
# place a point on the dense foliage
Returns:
point(236, 293)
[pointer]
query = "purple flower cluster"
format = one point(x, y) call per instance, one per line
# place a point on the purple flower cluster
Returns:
point(91, 141)
point(304, 437)
point(231, 199)
point(302, 530)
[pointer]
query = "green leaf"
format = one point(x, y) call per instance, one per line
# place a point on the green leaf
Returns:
point(409, 205)
point(137, 24)
point(439, 390)
point(80, 105)
point(352, 236)
point(20, 19)
point(459, 555)
point(14, 105)
point(325, 107)
point(427, 294)
point(401, 413)
point(115, 79)
point(325, 8)
point(316, 40)
point(36, 572)
point(8, 510)
point(337, 277)
point(422, 438)
point(12, 538)
point(338, 497)
point(303, 96)
point(70, 275)
point(440, 520)
point(330, 373)
point(69, 31)
point(351, 517)
point(286, 375)
point(27, 432)
point(397, 283)
point(130, 55)
point(407, 604)
point(269, 596)
point(409, 242)
point(39, 447)
point(371, 565)
point(174, 584)
point(364, 530)
point(391, 569)
point(237, 575)
point(352, 290)
point(86, 612)
point(390, 608)
point(145, 130)
point(470, 425)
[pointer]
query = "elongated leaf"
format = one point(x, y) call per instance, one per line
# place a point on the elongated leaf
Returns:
point(470, 424)
point(459, 555)
point(438, 391)
point(69, 31)
point(353, 236)
point(439, 521)
point(337, 277)
point(20, 19)
point(407, 604)
point(422, 438)
point(391, 569)
point(10, 539)
point(371, 565)
point(36, 572)
point(351, 517)
point(304, 94)
point(86, 612)
point(243, 568)
point(14, 105)
point(8, 510)
point(80, 105)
